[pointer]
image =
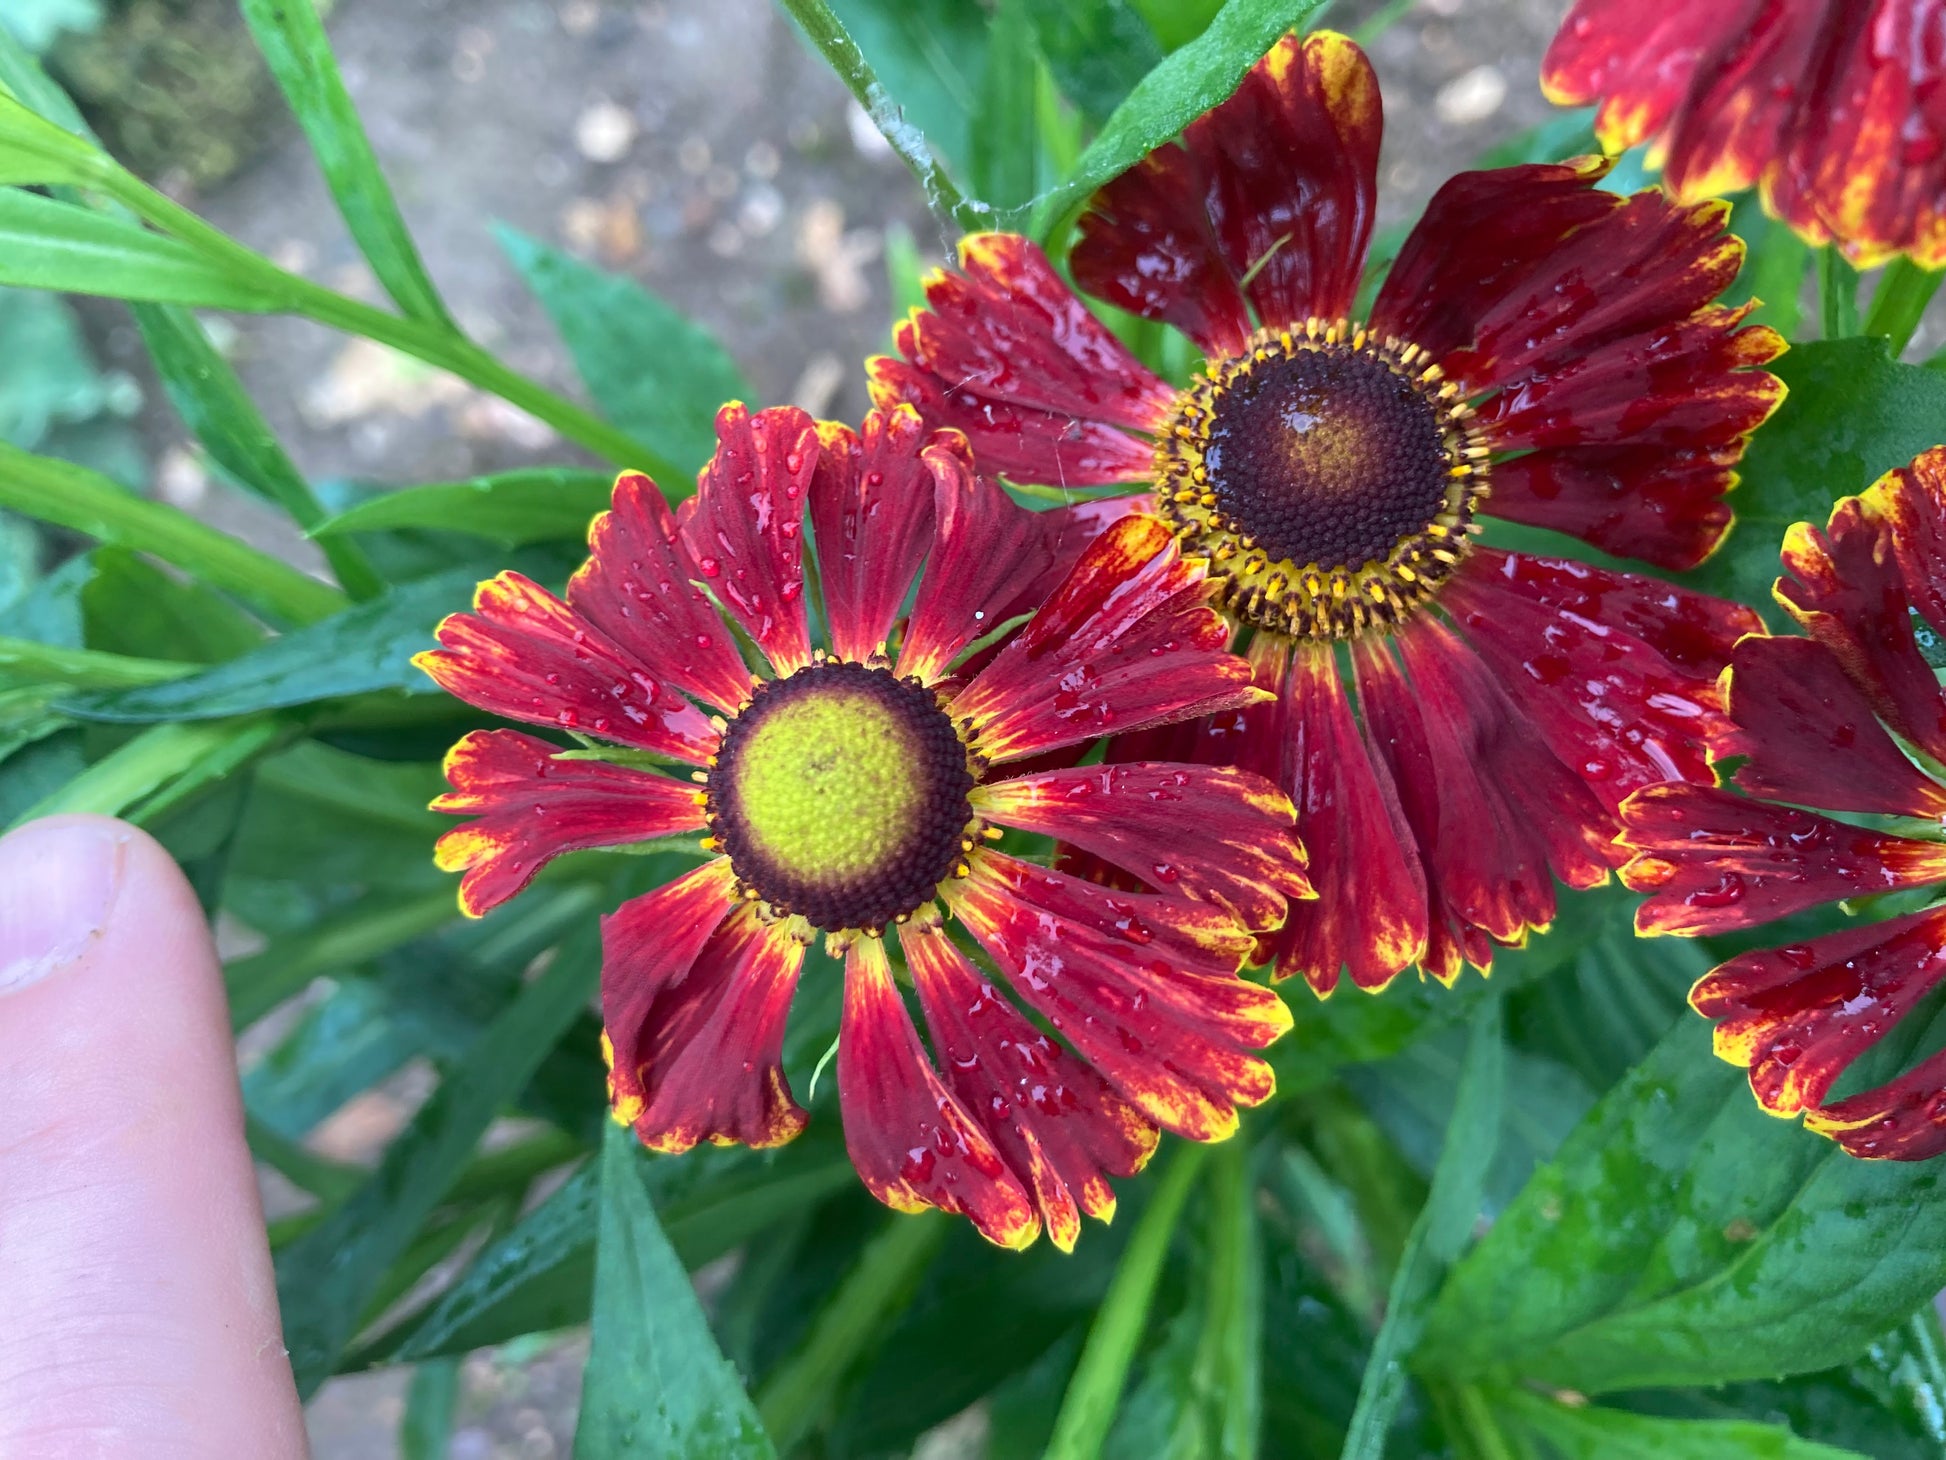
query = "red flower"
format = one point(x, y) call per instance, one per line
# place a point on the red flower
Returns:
point(1851, 719)
point(1832, 107)
point(848, 792)
point(1535, 333)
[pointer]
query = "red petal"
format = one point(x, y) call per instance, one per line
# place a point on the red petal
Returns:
point(992, 559)
point(1370, 914)
point(1637, 57)
point(1664, 505)
point(639, 588)
point(1849, 595)
point(533, 807)
point(1140, 817)
point(1143, 987)
point(1276, 185)
point(1128, 640)
point(1798, 1016)
point(1693, 632)
point(1607, 703)
point(745, 525)
point(1058, 1124)
point(1713, 861)
point(1902, 1120)
point(872, 513)
point(1479, 238)
point(524, 654)
point(1147, 245)
point(1010, 357)
point(913, 1142)
point(708, 1058)
point(1912, 503)
point(1811, 737)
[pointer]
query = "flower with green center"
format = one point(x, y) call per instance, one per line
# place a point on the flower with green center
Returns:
point(857, 789)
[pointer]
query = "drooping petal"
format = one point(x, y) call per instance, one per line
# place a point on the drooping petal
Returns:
point(524, 654)
point(1039, 386)
point(914, 1143)
point(1849, 595)
point(648, 944)
point(1144, 987)
point(639, 588)
point(1271, 194)
point(1370, 916)
point(1811, 737)
point(1637, 58)
point(1902, 1120)
point(708, 1058)
point(1609, 706)
point(531, 807)
point(745, 526)
point(1128, 640)
point(1911, 502)
point(1797, 1017)
point(872, 514)
point(1713, 861)
point(1135, 816)
point(1061, 1128)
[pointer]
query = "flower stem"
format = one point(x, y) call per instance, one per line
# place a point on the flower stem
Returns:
point(1837, 294)
point(1088, 1408)
point(1904, 290)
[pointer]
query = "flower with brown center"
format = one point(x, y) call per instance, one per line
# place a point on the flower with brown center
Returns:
point(1834, 109)
point(859, 789)
point(1851, 720)
point(1456, 723)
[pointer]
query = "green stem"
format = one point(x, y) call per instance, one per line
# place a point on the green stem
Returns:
point(1837, 295)
point(423, 340)
point(1482, 1429)
point(154, 771)
point(841, 52)
point(1904, 290)
point(1380, 23)
point(1228, 1358)
point(1088, 1408)
point(879, 1284)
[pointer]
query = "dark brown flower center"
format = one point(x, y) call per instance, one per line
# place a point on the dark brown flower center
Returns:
point(840, 796)
point(1328, 475)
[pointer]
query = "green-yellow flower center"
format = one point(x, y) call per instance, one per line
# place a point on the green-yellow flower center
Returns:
point(1329, 475)
point(840, 795)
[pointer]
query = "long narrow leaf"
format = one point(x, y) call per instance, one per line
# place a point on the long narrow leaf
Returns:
point(537, 504)
point(292, 39)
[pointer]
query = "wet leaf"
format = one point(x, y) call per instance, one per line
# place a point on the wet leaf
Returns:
point(1583, 1432)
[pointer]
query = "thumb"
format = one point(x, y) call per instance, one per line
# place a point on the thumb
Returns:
point(134, 1271)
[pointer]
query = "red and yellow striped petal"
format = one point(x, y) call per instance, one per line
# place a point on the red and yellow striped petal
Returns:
point(1061, 1128)
point(525, 654)
point(531, 807)
point(639, 588)
point(744, 527)
point(1127, 641)
point(1242, 856)
point(1712, 861)
point(1143, 987)
point(912, 1140)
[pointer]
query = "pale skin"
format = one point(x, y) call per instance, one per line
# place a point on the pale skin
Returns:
point(141, 1313)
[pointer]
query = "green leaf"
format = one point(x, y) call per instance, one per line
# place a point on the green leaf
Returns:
point(158, 768)
point(1098, 50)
point(538, 504)
point(220, 414)
point(327, 1276)
point(23, 661)
point(426, 1433)
point(48, 377)
point(364, 649)
point(1684, 1237)
point(1188, 83)
point(930, 58)
point(134, 607)
point(1088, 1407)
point(86, 502)
point(1439, 1233)
point(654, 373)
point(1004, 162)
point(45, 244)
point(656, 1384)
point(36, 152)
point(1177, 22)
point(1583, 1432)
point(292, 39)
point(1853, 413)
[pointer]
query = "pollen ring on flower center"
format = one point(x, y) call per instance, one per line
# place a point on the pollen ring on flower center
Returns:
point(840, 795)
point(1329, 475)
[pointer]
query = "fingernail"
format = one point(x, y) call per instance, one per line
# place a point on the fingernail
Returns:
point(57, 885)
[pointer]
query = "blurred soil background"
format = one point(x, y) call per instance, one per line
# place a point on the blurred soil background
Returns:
point(695, 145)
